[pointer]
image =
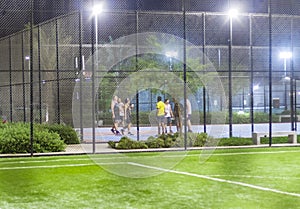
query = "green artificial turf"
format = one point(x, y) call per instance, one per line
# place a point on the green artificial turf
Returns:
point(225, 180)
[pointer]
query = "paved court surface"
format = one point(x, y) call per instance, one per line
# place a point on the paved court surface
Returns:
point(218, 131)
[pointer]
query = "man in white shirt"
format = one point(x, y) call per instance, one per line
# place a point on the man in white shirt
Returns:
point(188, 115)
point(168, 115)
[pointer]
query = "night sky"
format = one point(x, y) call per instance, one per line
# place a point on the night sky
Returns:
point(14, 14)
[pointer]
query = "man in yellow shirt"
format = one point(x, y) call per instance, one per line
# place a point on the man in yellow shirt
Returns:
point(160, 114)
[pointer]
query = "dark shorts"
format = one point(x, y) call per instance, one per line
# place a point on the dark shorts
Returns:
point(117, 119)
point(128, 120)
point(168, 120)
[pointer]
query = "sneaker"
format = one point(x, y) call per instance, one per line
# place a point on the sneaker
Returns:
point(122, 131)
point(118, 133)
point(190, 131)
point(113, 131)
point(129, 133)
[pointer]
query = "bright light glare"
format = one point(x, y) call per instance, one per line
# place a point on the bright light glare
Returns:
point(97, 9)
point(256, 87)
point(233, 13)
point(171, 54)
point(285, 55)
point(27, 58)
point(287, 78)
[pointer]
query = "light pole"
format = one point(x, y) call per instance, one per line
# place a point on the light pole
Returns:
point(232, 13)
point(285, 56)
point(97, 9)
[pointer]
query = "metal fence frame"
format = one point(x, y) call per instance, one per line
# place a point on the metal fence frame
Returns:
point(78, 40)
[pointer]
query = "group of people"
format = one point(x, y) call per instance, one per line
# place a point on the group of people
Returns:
point(121, 115)
point(165, 115)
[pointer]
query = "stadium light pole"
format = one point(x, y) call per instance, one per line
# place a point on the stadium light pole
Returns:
point(97, 9)
point(231, 14)
point(285, 56)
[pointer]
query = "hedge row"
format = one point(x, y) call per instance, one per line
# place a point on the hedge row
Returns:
point(163, 141)
point(194, 140)
point(15, 138)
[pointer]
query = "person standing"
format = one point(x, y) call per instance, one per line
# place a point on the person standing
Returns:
point(127, 117)
point(115, 115)
point(160, 115)
point(168, 116)
point(121, 112)
point(189, 115)
point(178, 115)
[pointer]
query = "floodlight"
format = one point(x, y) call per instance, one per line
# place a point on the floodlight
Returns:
point(233, 13)
point(285, 55)
point(97, 9)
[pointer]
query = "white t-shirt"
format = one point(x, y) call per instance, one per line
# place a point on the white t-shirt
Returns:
point(167, 110)
point(188, 107)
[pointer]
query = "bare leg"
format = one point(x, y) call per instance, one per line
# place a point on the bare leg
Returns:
point(158, 129)
point(189, 125)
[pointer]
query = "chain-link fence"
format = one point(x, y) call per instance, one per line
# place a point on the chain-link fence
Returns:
point(61, 64)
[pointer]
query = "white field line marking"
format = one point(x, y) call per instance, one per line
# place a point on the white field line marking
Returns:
point(253, 153)
point(217, 179)
point(257, 177)
point(46, 166)
point(153, 156)
point(59, 166)
point(45, 161)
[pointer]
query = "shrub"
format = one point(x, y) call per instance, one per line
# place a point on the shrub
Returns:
point(66, 133)
point(45, 141)
point(235, 141)
point(163, 141)
point(275, 140)
point(153, 142)
point(112, 144)
point(193, 140)
point(15, 138)
point(126, 143)
point(168, 140)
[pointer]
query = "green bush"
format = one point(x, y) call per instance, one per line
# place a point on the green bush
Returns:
point(193, 140)
point(66, 133)
point(15, 138)
point(235, 141)
point(112, 144)
point(153, 142)
point(126, 143)
point(275, 140)
point(168, 140)
point(163, 141)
